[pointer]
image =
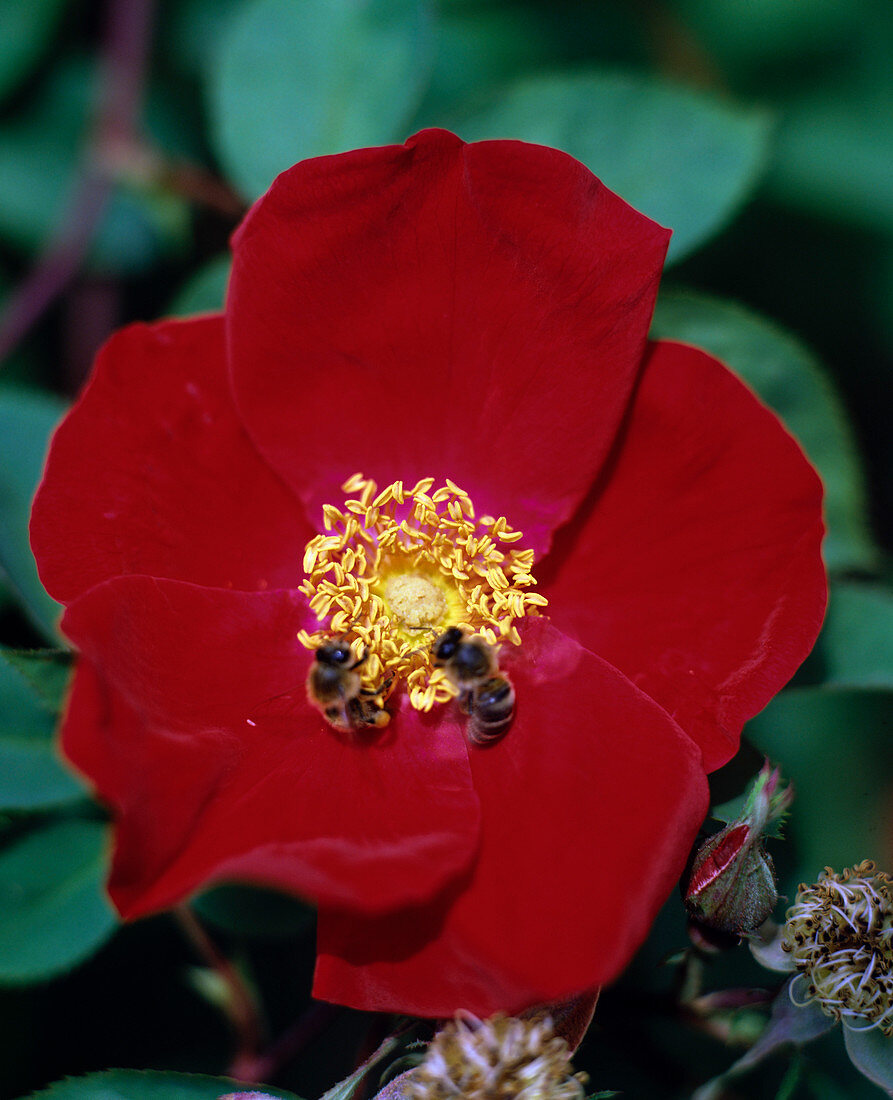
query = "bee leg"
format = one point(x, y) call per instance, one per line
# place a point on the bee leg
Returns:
point(466, 701)
point(365, 713)
point(384, 689)
point(337, 717)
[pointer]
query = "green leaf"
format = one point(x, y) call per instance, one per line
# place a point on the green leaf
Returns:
point(833, 158)
point(871, 1052)
point(205, 291)
point(347, 1089)
point(190, 33)
point(130, 1084)
point(791, 1081)
point(322, 76)
point(834, 147)
point(749, 34)
point(31, 775)
point(53, 911)
point(254, 912)
point(26, 422)
point(47, 672)
point(25, 33)
point(680, 157)
point(857, 639)
point(834, 744)
point(790, 380)
point(788, 1025)
point(481, 48)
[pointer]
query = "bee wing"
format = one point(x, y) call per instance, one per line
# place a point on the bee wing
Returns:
point(285, 705)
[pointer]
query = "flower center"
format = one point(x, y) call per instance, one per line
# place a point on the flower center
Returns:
point(395, 568)
point(415, 601)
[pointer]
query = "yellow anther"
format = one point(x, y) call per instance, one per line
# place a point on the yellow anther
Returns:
point(354, 484)
point(496, 577)
point(339, 622)
point(413, 532)
point(320, 603)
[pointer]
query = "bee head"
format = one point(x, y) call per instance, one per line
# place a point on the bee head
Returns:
point(335, 654)
point(447, 645)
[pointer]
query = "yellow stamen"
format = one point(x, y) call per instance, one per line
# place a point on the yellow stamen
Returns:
point(397, 567)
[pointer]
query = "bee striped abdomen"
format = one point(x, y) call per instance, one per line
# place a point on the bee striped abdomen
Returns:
point(492, 710)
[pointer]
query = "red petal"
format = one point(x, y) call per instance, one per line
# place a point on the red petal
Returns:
point(151, 473)
point(590, 805)
point(696, 567)
point(171, 678)
point(472, 311)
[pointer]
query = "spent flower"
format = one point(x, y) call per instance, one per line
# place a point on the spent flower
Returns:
point(839, 934)
point(503, 1058)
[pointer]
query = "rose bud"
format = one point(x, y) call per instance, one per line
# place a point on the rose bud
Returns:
point(732, 887)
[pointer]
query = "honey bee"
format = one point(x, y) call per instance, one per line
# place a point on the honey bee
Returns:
point(485, 695)
point(335, 688)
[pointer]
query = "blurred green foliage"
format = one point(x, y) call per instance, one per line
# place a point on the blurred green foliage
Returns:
point(759, 130)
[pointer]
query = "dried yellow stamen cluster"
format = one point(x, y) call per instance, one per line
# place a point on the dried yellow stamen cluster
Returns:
point(496, 1059)
point(397, 567)
point(839, 934)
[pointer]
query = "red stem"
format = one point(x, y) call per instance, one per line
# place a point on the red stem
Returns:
point(308, 1027)
point(241, 1005)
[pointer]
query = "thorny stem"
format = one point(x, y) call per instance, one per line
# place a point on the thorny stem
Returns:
point(241, 1005)
point(116, 150)
point(124, 59)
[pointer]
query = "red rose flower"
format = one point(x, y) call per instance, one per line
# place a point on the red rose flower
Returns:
point(430, 401)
